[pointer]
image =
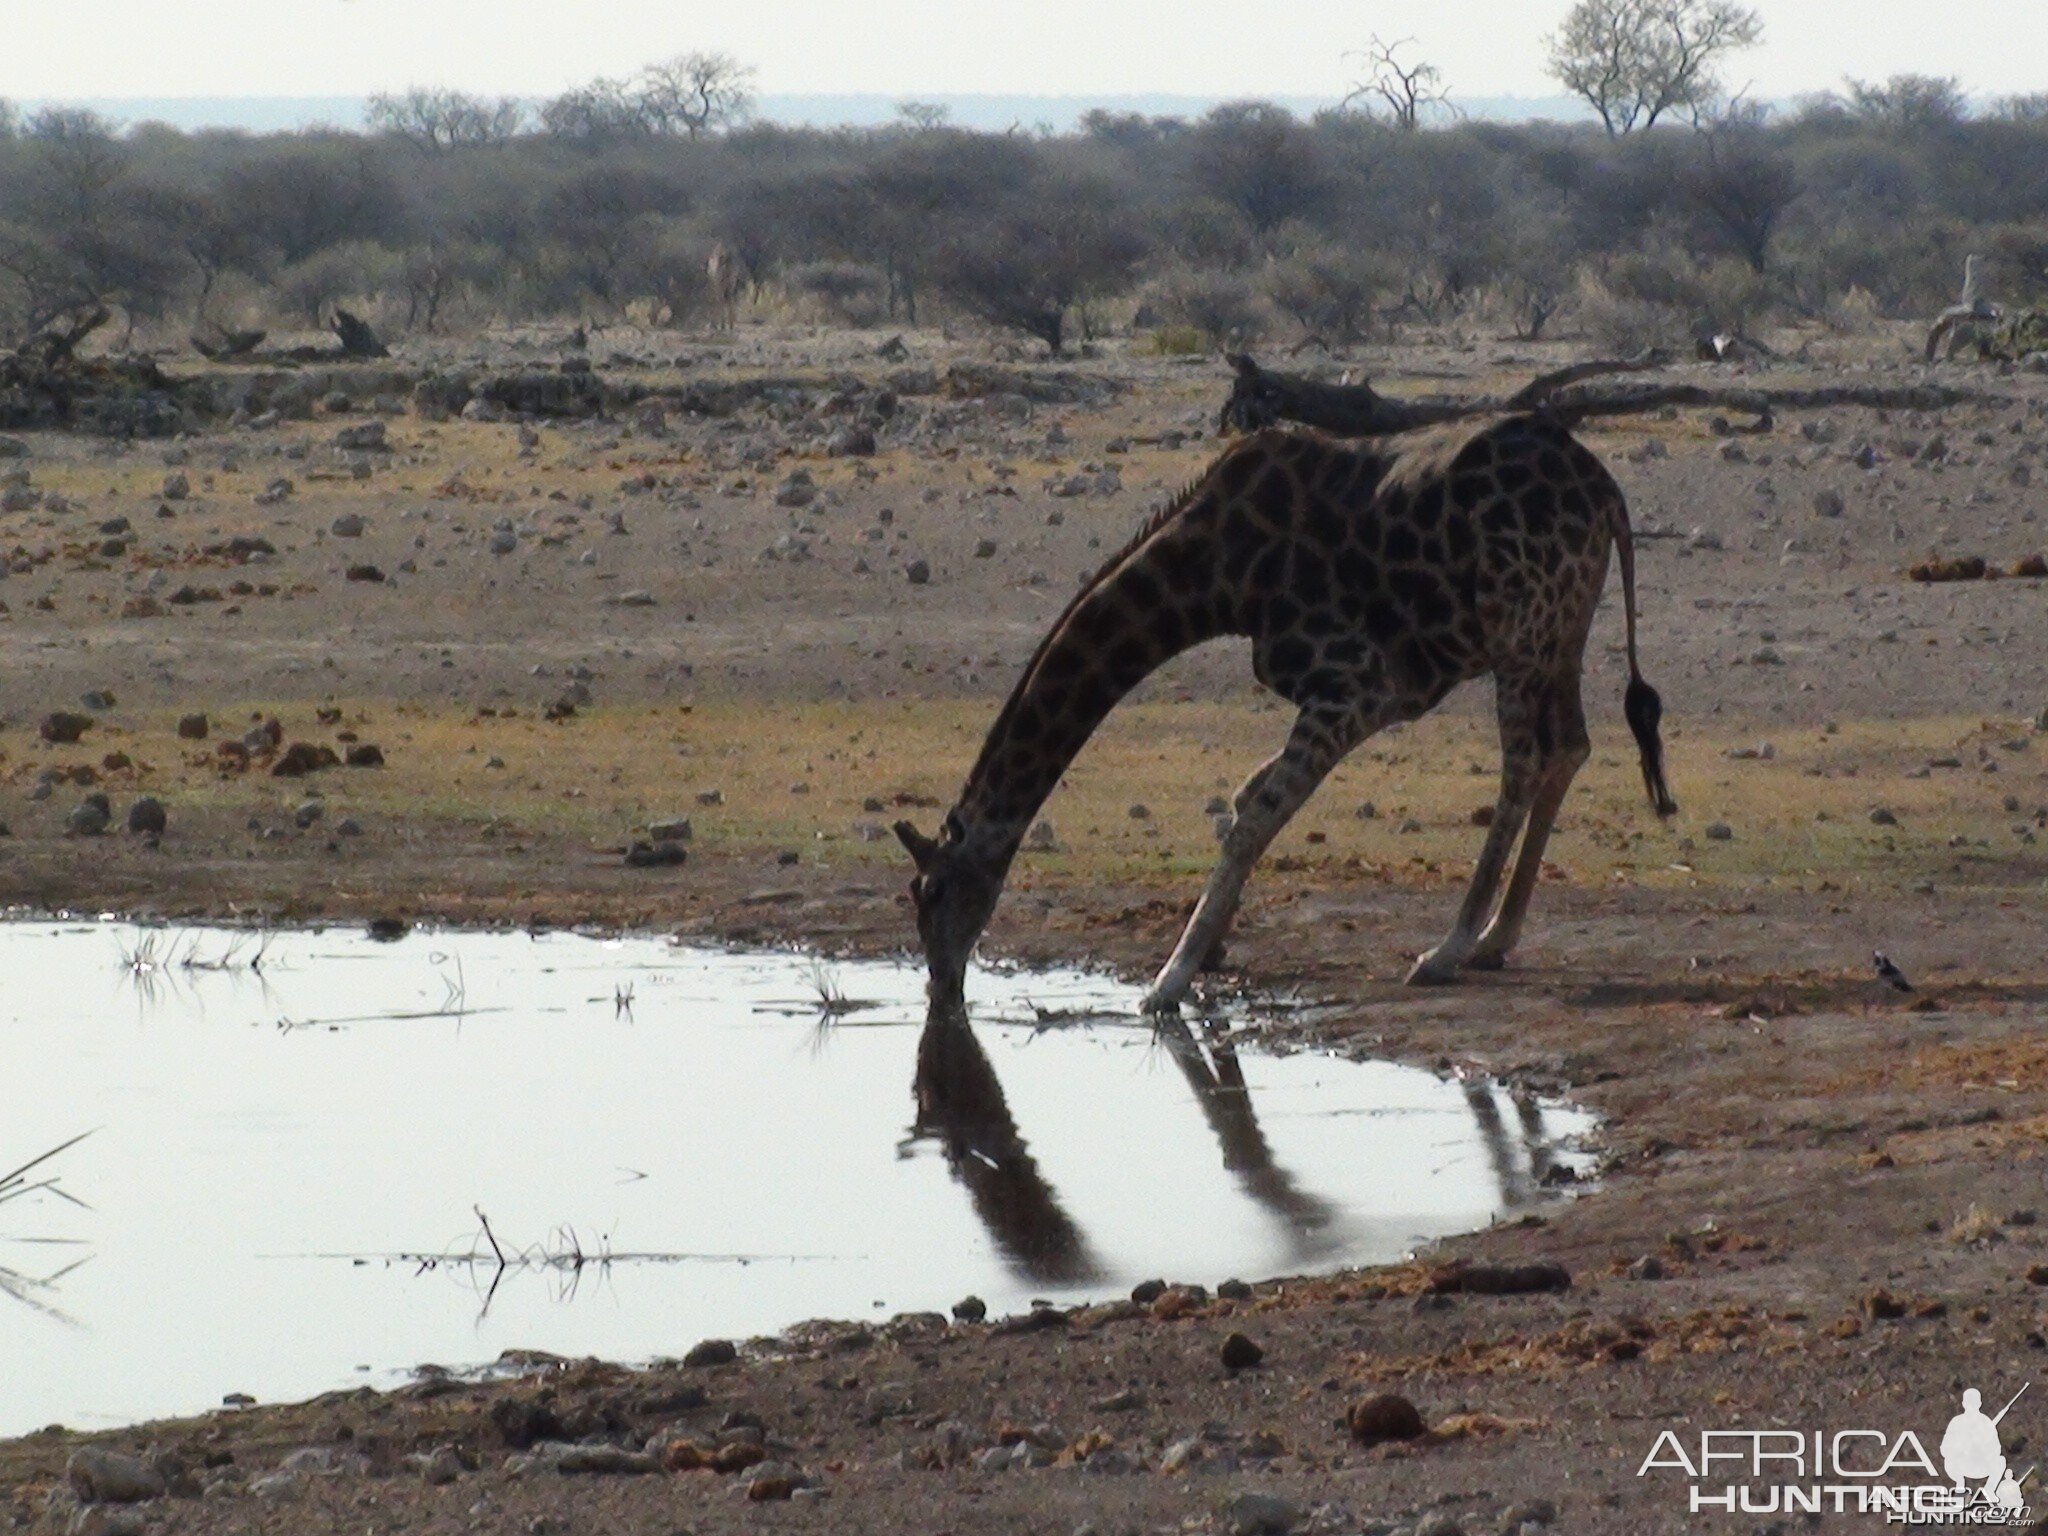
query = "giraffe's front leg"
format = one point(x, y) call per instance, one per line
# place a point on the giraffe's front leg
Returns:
point(1269, 798)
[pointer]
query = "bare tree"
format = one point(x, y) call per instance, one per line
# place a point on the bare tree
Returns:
point(694, 93)
point(1909, 103)
point(1405, 91)
point(436, 120)
point(1027, 266)
point(924, 115)
point(1633, 61)
point(597, 113)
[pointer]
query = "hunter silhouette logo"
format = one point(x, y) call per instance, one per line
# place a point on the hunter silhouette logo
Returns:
point(1971, 1452)
point(1854, 1471)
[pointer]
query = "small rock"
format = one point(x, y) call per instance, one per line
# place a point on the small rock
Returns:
point(1385, 1416)
point(365, 754)
point(146, 817)
point(371, 573)
point(349, 525)
point(100, 1476)
point(504, 541)
point(1145, 1292)
point(919, 572)
point(1240, 1353)
point(1882, 817)
point(850, 442)
point(658, 855)
point(176, 487)
point(1233, 1290)
point(796, 489)
point(440, 1466)
point(1261, 1514)
point(192, 727)
point(1719, 832)
point(368, 437)
point(308, 813)
point(89, 818)
point(1648, 1267)
point(675, 830)
point(712, 1352)
point(970, 1309)
point(62, 728)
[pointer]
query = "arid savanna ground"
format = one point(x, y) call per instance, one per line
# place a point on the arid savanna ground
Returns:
point(1820, 1205)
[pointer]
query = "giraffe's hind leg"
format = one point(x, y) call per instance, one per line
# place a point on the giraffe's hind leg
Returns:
point(1570, 747)
point(1520, 702)
point(1269, 798)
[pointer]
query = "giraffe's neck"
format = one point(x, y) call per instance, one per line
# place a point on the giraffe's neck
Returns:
point(1146, 607)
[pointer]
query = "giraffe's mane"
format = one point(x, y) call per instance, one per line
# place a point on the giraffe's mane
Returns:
point(1165, 513)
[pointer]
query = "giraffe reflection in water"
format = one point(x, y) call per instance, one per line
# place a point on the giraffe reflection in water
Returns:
point(960, 1104)
point(1218, 1081)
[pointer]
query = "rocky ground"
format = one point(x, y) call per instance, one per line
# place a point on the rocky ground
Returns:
point(1820, 1207)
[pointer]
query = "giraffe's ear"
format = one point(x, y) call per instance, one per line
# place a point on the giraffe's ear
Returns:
point(922, 849)
point(1246, 366)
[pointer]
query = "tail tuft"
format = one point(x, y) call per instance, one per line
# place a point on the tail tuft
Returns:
point(1644, 710)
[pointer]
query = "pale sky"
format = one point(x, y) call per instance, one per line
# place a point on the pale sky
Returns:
point(157, 48)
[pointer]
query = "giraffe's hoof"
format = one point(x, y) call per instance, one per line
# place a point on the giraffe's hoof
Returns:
point(1487, 960)
point(1430, 971)
point(1159, 1000)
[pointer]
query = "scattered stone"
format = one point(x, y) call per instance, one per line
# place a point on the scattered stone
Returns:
point(365, 754)
point(984, 549)
point(796, 489)
point(1385, 1416)
point(1240, 1353)
point(970, 1309)
point(302, 758)
point(1472, 1279)
point(62, 728)
point(146, 817)
point(637, 598)
point(367, 437)
point(1882, 817)
point(176, 487)
point(919, 572)
point(1648, 1267)
point(850, 442)
point(308, 813)
point(504, 541)
point(1261, 1514)
point(1719, 832)
point(1233, 1290)
point(598, 1460)
point(1145, 1292)
point(1827, 502)
point(521, 1421)
point(675, 830)
point(349, 525)
point(366, 572)
point(90, 817)
point(657, 855)
point(440, 1466)
point(712, 1352)
point(100, 1476)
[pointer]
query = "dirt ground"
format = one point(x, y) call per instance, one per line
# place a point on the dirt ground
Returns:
point(1819, 1206)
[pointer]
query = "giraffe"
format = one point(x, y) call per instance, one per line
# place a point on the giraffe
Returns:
point(728, 278)
point(1371, 577)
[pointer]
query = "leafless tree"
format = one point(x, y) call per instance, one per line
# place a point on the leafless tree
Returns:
point(439, 120)
point(694, 93)
point(1909, 103)
point(1634, 61)
point(1404, 91)
point(924, 115)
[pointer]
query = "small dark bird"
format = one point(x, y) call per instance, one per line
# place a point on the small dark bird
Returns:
point(1888, 973)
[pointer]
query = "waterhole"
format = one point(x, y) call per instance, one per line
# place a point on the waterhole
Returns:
point(311, 1160)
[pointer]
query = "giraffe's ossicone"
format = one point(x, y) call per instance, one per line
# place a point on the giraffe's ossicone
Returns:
point(1372, 578)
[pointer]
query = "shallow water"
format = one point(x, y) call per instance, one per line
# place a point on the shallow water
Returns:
point(290, 1167)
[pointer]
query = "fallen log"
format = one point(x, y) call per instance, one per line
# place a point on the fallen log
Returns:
point(356, 337)
point(1260, 397)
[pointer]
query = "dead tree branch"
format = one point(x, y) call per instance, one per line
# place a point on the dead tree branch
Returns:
point(1260, 397)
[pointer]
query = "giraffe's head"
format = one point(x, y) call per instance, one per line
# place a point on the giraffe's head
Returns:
point(955, 891)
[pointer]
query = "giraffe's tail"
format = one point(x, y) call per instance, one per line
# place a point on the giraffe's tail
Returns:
point(1640, 705)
